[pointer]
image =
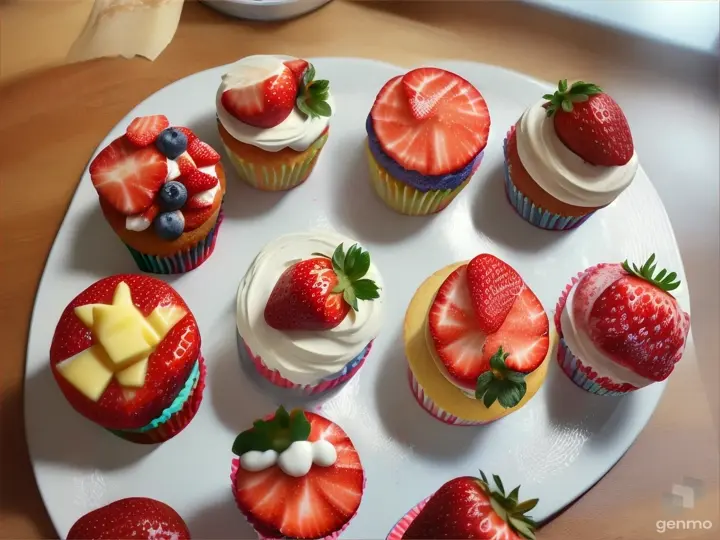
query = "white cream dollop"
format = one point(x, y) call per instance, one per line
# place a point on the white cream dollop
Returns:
point(561, 172)
point(297, 131)
point(296, 460)
point(303, 357)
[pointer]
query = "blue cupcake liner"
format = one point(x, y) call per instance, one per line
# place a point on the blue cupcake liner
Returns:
point(533, 214)
point(572, 367)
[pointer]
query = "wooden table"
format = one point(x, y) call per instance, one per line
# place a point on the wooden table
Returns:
point(52, 118)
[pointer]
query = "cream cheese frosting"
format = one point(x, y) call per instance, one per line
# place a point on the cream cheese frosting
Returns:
point(302, 357)
point(298, 131)
point(562, 173)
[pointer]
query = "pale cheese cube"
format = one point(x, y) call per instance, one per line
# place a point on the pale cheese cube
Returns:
point(134, 375)
point(87, 371)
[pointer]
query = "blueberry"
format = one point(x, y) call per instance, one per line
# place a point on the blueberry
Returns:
point(172, 196)
point(171, 142)
point(169, 225)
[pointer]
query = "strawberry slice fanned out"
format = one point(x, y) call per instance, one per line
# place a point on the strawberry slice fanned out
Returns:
point(143, 130)
point(431, 121)
point(128, 177)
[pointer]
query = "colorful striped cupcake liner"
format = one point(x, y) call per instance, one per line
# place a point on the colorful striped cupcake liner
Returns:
point(177, 421)
point(583, 376)
point(529, 211)
point(432, 408)
point(182, 261)
point(279, 177)
point(401, 527)
point(328, 383)
point(405, 199)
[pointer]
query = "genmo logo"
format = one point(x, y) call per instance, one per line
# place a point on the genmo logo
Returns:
point(687, 524)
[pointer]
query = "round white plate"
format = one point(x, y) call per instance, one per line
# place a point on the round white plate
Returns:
point(265, 10)
point(557, 447)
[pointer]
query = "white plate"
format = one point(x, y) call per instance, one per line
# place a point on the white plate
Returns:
point(265, 10)
point(557, 447)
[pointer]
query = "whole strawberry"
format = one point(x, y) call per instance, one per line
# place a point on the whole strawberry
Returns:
point(135, 517)
point(590, 123)
point(318, 293)
point(468, 508)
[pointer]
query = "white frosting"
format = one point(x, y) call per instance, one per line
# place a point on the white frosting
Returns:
point(303, 357)
point(561, 172)
point(582, 346)
point(296, 460)
point(137, 223)
point(173, 170)
point(297, 131)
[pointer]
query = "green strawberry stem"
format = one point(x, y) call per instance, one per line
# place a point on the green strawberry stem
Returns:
point(508, 508)
point(312, 98)
point(277, 434)
point(350, 268)
point(663, 280)
point(500, 383)
point(564, 97)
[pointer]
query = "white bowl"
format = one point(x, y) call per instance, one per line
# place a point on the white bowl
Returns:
point(265, 10)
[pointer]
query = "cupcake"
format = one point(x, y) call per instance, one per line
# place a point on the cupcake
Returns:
point(569, 155)
point(273, 118)
point(297, 475)
point(135, 517)
point(161, 190)
point(478, 342)
point(308, 310)
point(469, 508)
point(426, 134)
point(620, 328)
point(126, 355)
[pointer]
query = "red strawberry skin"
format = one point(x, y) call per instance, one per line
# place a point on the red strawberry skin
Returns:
point(168, 368)
point(298, 67)
point(143, 130)
point(196, 181)
point(494, 285)
point(139, 518)
point(301, 298)
point(194, 218)
point(312, 506)
point(460, 509)
point(202, 153)
point(597, 131)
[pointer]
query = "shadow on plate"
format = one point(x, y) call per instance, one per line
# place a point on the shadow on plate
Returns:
point(410, 424)
point(220, 519)
point(64, 436)
point(359, 207)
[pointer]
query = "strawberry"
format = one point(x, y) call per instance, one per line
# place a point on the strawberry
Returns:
point(194, 218)
point(590, 123)
point(315, 505)
point(135, 517)
point(468, 508)
point(186, 165)
point(169, 364)
point(317, 293)
point(494, 285)
point(143, 130)
point(128, 177)
point(298, 67)
point(188, 133)
point(633, 318)
point(198, 201)
point(151, 212)
point(491, 365)
point(431, 121)
point(196, 181)
point(202, 153)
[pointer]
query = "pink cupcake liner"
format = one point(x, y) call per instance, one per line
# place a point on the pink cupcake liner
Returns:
point(401, 527)
point(432, 408)
point(581, 374)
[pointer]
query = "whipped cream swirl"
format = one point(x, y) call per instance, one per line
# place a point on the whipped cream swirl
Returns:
point(561, 172)
point(298, 131)
point(303, 357)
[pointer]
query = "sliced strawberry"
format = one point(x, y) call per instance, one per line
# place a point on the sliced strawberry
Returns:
point(195, 218)
point(196, 202)
point(494, 285)
point(151, 213)
point(186, 164)
point(312, 506)
point(197, 181)
point(188, 133)
point(298, 67)
point(431, 121)
point(202, 153)
point(143, 130)
point(128, 177)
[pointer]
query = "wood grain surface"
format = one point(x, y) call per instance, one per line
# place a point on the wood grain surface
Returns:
point(51, 119)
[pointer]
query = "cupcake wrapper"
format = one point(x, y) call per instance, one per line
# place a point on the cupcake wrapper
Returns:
point(583, 376)
point(177, 422)
point(405, 199)
point(431, 407)
point(536, 215)
point(182, 261)
point(326, 384)
point(279, 176)
point(401, 527)
point(233, 476)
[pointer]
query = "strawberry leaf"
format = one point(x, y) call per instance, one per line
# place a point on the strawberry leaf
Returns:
point(366, 289)
point(299, 426)
point(500, 383)
point(338, 258)
point(526, 506)
point(282, 417)
point(513, 495)
point(350, 298)
point(663, 280)
point(360, 267)
point(499, 484)
point(276, 434)
point(564, 97)
point(321, 108)
point(490, 396)
point(300, 102)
